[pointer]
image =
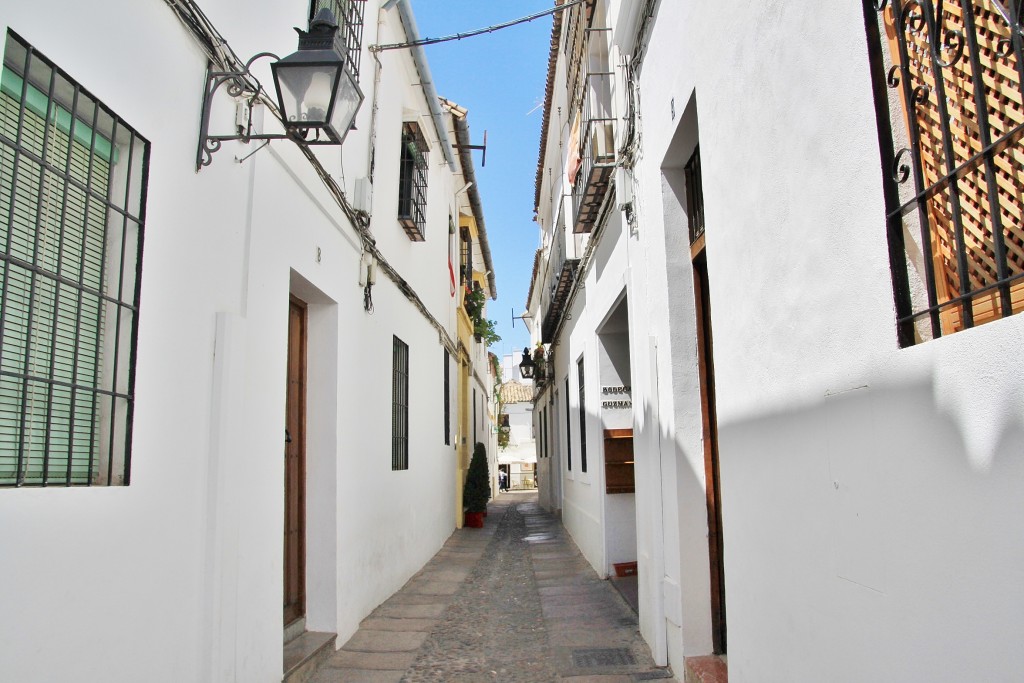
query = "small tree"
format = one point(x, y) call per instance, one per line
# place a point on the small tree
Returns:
point(478, 481)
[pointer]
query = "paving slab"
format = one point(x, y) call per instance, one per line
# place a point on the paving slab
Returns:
point(372, 640)
point(398, 624)
point(348, 659)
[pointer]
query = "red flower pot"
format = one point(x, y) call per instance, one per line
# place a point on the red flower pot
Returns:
point(475, 520)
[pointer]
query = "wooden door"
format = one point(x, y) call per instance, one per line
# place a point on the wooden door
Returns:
point(295, 467)
point(706, 366)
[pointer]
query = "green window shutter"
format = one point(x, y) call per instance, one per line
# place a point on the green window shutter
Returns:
point(52, 330)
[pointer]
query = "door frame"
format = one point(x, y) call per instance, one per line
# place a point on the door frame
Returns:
point(295, 480)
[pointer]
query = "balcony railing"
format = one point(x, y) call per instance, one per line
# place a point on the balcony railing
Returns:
point(559, 282)
point(597, 155)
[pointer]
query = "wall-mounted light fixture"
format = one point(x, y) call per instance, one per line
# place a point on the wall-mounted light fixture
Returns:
point(527, 366)
point(317, 95)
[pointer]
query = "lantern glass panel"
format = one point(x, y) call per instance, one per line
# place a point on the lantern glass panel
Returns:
point(306, 91)
point(346, 105)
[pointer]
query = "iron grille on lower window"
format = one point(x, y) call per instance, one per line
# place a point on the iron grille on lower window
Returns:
point(400, 406)
point(72, 199)
point(568, 428)
point(583, 419)
point(948, 80)
point(694, 196)
point(447, 399)
point(412, 183)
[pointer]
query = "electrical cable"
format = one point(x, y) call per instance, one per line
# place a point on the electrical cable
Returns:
point(476, 32)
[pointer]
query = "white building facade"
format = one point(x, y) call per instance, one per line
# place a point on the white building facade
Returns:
point(519, 457)
point(285, 306)
point(826, 422)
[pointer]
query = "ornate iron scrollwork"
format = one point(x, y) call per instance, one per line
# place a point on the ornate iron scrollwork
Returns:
point(237, 84)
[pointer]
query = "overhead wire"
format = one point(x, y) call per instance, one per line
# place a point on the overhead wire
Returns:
point(476, 32)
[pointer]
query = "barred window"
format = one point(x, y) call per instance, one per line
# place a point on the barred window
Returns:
point(568, 428)
point(72, 200)
point(583, 418)
point(447, 399)
point(349, 14)
point(947, 79)
point(400, 406)
point(694, 196)
point(412, 183)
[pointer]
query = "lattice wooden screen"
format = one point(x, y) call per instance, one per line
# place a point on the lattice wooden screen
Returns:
point(950, 136)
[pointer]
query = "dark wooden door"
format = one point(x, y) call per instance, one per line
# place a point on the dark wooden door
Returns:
point(706, 366)
point(295, 467)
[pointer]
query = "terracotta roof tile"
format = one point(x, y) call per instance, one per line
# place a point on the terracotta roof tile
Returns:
point(515, 392)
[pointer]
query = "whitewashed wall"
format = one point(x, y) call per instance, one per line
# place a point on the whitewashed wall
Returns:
point(178, 577)
point(872, 517)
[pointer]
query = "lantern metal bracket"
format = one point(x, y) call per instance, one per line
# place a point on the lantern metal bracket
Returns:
point(240, 85)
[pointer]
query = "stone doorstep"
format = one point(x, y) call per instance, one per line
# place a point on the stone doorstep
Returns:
point(706, 669)
point(304, 655)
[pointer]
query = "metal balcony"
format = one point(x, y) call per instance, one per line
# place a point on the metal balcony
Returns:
point(597, 154)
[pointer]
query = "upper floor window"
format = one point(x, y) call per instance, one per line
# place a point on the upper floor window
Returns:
point(412, 183)
point(349, 15)
point(72, 200)
point(947, 78)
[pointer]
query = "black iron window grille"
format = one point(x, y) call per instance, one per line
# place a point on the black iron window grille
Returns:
point(694, 196)
point(947, 79)
point(349, 14)
point(583, 418)
point(466, 269)
point(72, 196)
point(400, 406)
point(412, 183)
point(568, 428)
point(544, 432)
point(447, 399)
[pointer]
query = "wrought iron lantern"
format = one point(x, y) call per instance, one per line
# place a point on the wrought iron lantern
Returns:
point(527, 366)
point(317, 95)
point(315, 91)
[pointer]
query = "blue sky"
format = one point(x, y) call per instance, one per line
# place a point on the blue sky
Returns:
point(499, 77)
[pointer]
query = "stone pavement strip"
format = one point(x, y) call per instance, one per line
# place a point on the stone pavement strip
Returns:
point(513, 602)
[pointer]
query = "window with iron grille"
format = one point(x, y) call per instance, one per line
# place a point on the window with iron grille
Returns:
point(568, 428)
point(349, 15)
point(447, 400)
point(947, 79)
point(467, 256)
point(583, 418)
point(412, 183)
point(400, 406)
point(72, 199)
point(544, 432)
point(694, 196)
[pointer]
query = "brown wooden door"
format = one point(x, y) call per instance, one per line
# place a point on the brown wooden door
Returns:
point(706, 364)
point(295, 467)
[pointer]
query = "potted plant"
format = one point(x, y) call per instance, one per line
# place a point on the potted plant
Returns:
point(483, 330)
point(477, 490)
point(538, 360)
point(474, 300)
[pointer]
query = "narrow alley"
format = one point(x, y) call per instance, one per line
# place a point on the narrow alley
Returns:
point(512, 602)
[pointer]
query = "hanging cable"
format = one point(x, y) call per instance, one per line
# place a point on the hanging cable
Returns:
point(477, 32)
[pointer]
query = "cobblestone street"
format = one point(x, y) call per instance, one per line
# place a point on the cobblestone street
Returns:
point(514, 601)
